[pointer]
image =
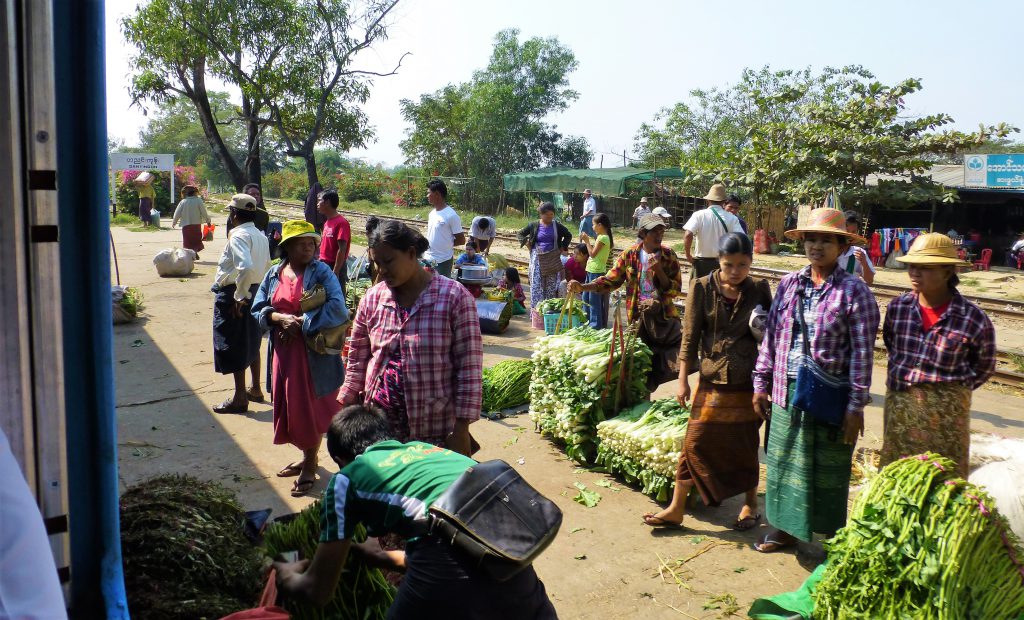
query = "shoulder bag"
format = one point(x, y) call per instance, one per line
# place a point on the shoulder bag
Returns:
point(496, 519)
point(550, 261)
point(817, 392)
point(330, 340)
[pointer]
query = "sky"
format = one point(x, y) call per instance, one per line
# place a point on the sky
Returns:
point(638, 57)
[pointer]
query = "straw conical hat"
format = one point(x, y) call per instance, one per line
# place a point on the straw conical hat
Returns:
point(829, 221)
point(932, 249)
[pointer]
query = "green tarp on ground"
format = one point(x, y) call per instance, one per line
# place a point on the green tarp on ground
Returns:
point(601, 181)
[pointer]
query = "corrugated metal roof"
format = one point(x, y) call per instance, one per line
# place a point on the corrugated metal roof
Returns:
point(950, 175)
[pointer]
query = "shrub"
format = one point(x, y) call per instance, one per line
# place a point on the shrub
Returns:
point(127, 197)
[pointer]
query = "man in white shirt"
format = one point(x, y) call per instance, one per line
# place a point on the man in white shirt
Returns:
point(708, 226)
point(640, 211)
point(444, 229)
point(29, 587)
point(855, 259)
point(589, 211)
point(483, 230)
point(236, 334)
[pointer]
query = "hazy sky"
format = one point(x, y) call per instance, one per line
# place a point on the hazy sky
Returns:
point(636, 57)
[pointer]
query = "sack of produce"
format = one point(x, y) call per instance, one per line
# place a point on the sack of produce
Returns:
point(494, 315)
point(174, 262)
point(507, 384)
point(582, 376)
point(922, 543)
point(127, 301)
point(642, 445)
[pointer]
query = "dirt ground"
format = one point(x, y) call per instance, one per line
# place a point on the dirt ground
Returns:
point(604, 563)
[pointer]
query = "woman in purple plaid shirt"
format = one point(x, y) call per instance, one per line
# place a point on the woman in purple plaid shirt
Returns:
point(941, 348)
point(808, 460)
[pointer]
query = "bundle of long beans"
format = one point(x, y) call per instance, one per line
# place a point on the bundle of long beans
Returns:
point(922, 543)
point(362, 592)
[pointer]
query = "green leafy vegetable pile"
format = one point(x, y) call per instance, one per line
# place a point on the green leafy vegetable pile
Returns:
point(131, 301)
point(355, 290)
point(642, 444)
point(554, 305)
point(922, 543)
point(362, 592)
point(507, 384)
point(573, 388)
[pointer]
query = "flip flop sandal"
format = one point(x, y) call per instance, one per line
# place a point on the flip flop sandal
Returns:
point(759, 546)
point(659, 523)
point(259, 398)
point(747, 523)
point(302, 487)
point(291, 470)
point(228, 407)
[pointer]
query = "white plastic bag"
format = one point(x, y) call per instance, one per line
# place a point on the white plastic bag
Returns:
point(174, 262)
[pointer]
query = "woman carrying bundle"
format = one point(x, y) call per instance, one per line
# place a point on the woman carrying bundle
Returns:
point(820, 334)
point(941, 348)
point(719, 456)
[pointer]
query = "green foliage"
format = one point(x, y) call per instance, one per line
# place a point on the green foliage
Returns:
point(494, 124)
point(127, 196)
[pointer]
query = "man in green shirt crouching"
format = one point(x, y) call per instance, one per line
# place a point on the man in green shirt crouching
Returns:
point(388, 486)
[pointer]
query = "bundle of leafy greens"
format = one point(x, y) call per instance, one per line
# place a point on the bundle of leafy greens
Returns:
point(922, 543)
point(507, 384)
point(580, 378)
point(642, 445)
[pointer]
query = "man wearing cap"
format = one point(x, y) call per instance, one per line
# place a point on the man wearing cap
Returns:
point(236, 334)
point(707, 226)
point(663, 213)
point(855, 259)
point(651, 274)
point(640, 212)
point(732, 205)
point(589, 211)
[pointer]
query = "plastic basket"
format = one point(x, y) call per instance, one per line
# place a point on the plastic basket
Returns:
point(551, 322)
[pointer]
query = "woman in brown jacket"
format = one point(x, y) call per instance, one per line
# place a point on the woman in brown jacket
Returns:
point(719, 455)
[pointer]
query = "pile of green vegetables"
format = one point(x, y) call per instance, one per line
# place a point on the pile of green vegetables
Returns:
point(642, 445)
point(922, 543)
point(362, 592)
point(185, 551)
point(507, 384)
point(580, 378)
point(354, 291)
point(555, 305)
point(131, 301)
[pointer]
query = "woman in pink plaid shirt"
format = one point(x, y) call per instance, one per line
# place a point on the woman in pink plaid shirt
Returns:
point(415, 349)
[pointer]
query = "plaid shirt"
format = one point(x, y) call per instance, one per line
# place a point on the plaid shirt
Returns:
point(627, 270)
point(442, 354)
point(844, 335)
point(960, 347)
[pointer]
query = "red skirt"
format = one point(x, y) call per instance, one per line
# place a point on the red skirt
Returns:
point(192, 237)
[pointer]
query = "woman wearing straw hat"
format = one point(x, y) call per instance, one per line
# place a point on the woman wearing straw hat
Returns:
point(817, 352)
point(941, 348)
point(191, 214)
point(304, 381)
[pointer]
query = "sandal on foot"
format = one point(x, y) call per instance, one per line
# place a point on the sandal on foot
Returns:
point(291, 470)
point(230, 407)
point(256, 397)
point(762, 544)
point(657, 522)
point(302, 487)
point(746, 523)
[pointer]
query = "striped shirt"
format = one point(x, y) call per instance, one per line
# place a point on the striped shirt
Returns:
point(960, 346)
point(843, 342)
point(441, 350)
point(388, 488)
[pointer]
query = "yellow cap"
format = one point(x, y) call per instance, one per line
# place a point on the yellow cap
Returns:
point(932, 249)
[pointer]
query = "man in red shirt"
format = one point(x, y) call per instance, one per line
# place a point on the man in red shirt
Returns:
point(337, 236)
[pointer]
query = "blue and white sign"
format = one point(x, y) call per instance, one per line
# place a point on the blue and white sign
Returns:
point(1003, 170)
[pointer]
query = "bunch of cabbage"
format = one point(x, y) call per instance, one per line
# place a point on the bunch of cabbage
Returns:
point(643, 444)
point(569, 394)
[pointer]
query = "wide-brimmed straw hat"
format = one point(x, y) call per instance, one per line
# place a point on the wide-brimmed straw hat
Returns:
point(828, 221)
point(932, 249)
point(293, 229)
point(716, 193)
point(643, 201)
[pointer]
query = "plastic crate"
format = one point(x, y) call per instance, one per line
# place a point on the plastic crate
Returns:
point(551, 322)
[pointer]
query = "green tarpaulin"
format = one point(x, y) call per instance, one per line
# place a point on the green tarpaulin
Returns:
point(601, 181)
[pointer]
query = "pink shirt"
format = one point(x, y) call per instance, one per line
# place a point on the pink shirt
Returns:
point(336, 235)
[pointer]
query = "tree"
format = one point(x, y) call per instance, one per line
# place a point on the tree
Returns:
point(495, 123)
